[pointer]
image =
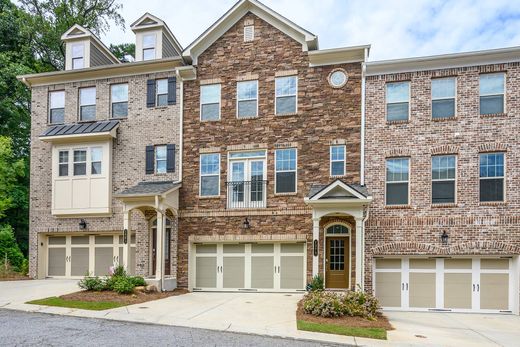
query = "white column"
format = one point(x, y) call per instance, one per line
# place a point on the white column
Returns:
point(360, 253)
point(315, 243)
point(159, 254)
point(127, 245)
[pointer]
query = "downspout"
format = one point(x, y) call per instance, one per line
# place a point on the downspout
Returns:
point(363, 72)
point(363, 250)
point(181, 117)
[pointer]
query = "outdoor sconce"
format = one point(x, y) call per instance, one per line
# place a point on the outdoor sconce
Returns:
point(246, 224)
point(82, 224)
point(444, 237)
point(315, 248)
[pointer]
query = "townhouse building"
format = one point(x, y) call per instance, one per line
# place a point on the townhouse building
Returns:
point(252, 160)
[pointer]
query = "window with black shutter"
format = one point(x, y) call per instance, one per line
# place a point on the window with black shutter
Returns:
point(172, 91)
point(150, 93)
point(150, 169)
point(170, 158)
point(160, 159)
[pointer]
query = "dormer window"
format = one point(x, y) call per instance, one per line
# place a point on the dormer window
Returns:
point(149, 47)
point(78, 54)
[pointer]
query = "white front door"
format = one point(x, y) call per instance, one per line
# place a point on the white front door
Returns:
point(438, 284)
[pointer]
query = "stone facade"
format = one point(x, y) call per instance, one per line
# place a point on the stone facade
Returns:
point(473, 228)
point(143, 126)
point(324, 115)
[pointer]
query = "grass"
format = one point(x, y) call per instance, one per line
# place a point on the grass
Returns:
point(84, 305)
point(373, 333)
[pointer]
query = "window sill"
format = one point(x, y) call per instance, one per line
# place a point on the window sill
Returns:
point(210, 197)
point(248, 117)
point(492, 203)
point(398, 207)
point(210, 120)
point(491, 115)
point(400, 121)
point(287, 114)
point(338, 176)
point(444, 119)
point(444, 205)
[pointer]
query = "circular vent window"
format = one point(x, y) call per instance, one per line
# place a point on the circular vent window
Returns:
point(338, 78)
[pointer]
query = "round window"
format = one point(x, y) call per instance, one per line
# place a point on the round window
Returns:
point(338, 78)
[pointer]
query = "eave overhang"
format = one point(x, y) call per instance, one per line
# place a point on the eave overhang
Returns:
point(81, 132)
point(344, 55)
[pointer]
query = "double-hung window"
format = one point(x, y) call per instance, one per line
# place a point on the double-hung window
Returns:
point(149, 47)
point(492, 90)
point(337, 160)
point(285, 170)
point(78, 60)
point(397, 101)
point(210, 102)
point(443, 97)
point(286, 95)
point(247, 99)
point(87, 104)
point(57, 107)
point(210, 174)
point(80, 162)
point(160, 159)
point(161, 92)
point(119, 100)
point(443, 179)
point(492, 175)
point(96, 158)
point(397, 181)
point(63, 163)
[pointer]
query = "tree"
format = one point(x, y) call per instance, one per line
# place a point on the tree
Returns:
point(49, 19)
point(123, 50)
point(10, 170)
point(9, 248)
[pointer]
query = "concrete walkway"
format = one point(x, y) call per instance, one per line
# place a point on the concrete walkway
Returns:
point(274, 315)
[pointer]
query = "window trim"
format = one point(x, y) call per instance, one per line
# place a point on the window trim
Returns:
point(344, 160)
point(50, 105)
point(252, 26)
point(155, 160)
point(73, 58)
point(157, 94)
point(408, 182)
point(295, 171)
point(119, 102)
point(67, 163)
point(86, 162)
point(145, 48)
point(455, 99)
point(92, 161)
point(455, 180)
point(201, 175)
point(238, 100)
point(219, 103)
point(409, 101)
point(80, 105)
point(504, 93)
point(286, 95)
point(504, 190)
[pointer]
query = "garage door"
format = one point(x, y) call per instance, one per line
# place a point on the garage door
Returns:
point(453, 284)
point(249, 266)
point(73, 256)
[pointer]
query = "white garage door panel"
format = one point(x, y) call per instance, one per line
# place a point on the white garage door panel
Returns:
point(57, 262)
point(79, 263)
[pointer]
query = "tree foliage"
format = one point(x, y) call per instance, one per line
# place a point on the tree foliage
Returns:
point(9, 249)
point(10, 170)
point(123, 50)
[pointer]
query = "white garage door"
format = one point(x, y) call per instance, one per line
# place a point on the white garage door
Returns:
point(453, 284)
point(249, 266)
point(74, 256)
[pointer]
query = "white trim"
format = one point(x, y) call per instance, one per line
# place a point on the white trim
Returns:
point(455, 90)
point(408, 101)
point(238, 100)
point(95, 40)
point(339, 183)
point(295, 170)
point(219, 102)
point(80, 105)
point(286, 95)
point(504, 103)
point(200, 175)
point(344, 160)
point(363, 118)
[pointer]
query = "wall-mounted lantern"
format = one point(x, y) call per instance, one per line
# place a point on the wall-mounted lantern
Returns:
point(246, 225)
point(82, 224)
point(444, 237)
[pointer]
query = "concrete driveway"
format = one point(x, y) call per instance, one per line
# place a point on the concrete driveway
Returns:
point(14, 293)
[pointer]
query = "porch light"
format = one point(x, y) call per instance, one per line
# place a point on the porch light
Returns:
point(444, 237)
point(246, 224)
point(82, 224)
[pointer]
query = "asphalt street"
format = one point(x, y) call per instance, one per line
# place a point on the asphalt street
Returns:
point(36, 329)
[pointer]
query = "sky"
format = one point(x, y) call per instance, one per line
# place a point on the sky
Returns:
point(394, 28)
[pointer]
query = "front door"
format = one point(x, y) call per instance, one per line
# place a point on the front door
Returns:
point(337, 263)
point(166, 251)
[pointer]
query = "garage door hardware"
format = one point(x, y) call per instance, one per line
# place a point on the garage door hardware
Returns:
point(403, 285)
point(478, 287)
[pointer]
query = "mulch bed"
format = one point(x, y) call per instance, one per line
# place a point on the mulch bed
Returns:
point(355, 322)
point(126, 299)
point(15, 277)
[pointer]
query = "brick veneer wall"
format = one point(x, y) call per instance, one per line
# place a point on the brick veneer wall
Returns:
point(143, 126)
point(474, 228)
point(324, 114)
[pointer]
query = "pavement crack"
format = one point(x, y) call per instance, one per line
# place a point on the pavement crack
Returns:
point(229, 326)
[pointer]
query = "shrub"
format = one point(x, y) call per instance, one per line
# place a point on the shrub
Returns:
point(123, 285)
point(334, 304)
point(24, 269)
point(316, 284)
point(137, 281)
point(119, 271)
point(9, 248)
point(92, 283)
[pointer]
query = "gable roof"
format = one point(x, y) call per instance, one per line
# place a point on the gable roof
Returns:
point(308, 40)
point(149, 21)
point(78, 32)
point(338, 190)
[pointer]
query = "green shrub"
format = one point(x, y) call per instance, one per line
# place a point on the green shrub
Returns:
point(137, 281)
point(24, 269)
point(92, 284)
point(316, 284)
point(334, 304)
point(9, 248)
point(119, 271)
point(123, 285)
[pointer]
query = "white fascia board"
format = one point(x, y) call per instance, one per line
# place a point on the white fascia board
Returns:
point(341, 55)
point(335, 184)
point(80, 137)
point(445, 61)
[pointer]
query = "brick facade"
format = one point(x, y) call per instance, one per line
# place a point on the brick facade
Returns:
point(324, 115)
point(143, 126)
point(474, 228)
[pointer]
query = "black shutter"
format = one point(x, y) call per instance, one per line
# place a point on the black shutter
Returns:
point(172, 91)
point(150, 93)
point(150, 159)
point(170, 158)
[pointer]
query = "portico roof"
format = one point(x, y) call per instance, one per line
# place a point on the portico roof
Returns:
point(143, 189)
